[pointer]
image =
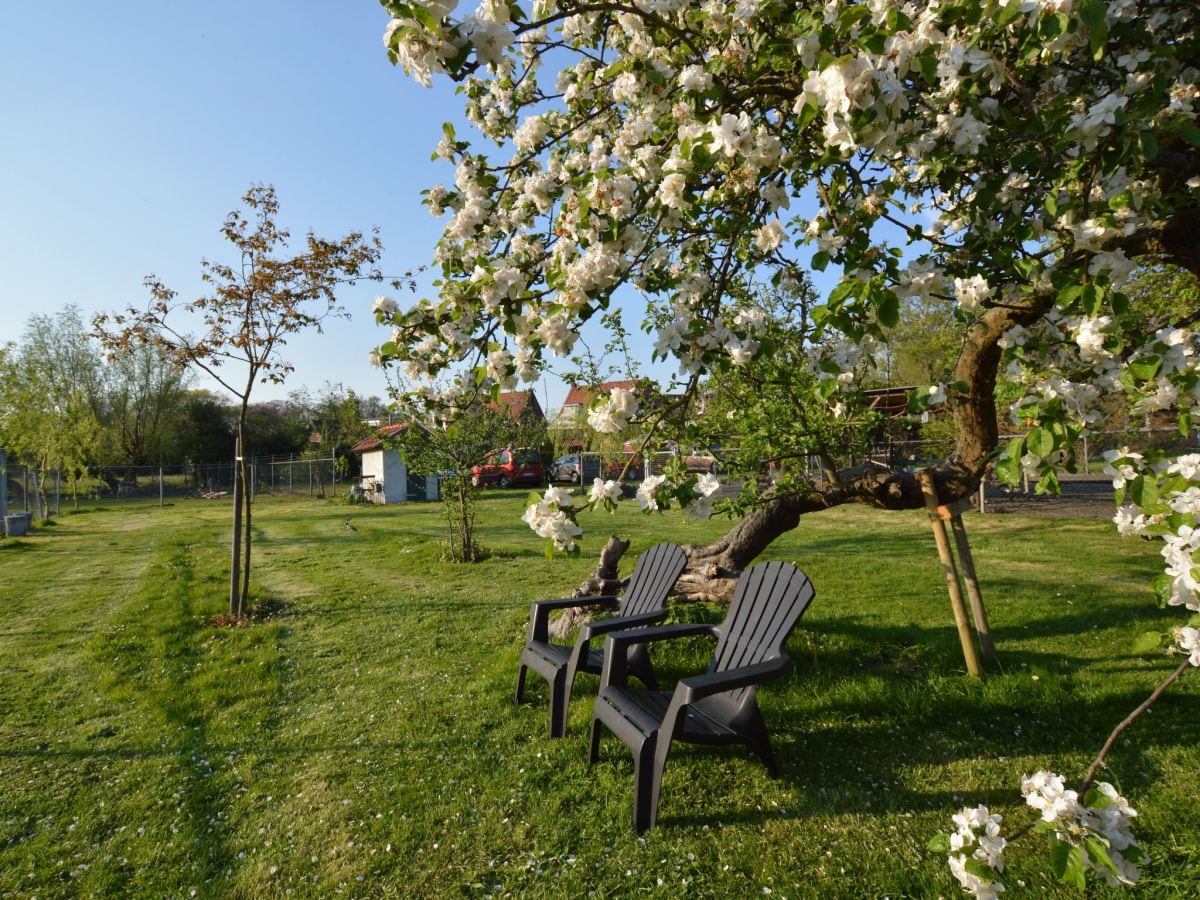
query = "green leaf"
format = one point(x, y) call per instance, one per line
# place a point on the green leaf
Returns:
point(1161, 587)
point(1068, 865)
point(939, 843)
point(1051, 205)
point(1147, 641)
point(1007, 470)
point(1145, 369)
point(1143, 491)
point(1040, 442)
point(888, 311)
point(845, 289)
point(1096, 798)
point(1097, 852)
point(1190, 132)
point(1048, 484)
point(1093, 13)
point(1149, 142)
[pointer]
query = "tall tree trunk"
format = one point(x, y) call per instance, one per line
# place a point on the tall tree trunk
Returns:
point(247, 533)
point(235, 567)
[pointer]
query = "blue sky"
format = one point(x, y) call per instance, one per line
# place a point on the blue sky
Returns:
point(132, 128)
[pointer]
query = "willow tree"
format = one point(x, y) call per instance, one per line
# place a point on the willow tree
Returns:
point(257, 303)
point(1019, 158)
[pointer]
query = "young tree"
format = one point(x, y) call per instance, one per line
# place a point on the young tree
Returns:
point(1017, 158)
point(449, 446)
point(260, 300)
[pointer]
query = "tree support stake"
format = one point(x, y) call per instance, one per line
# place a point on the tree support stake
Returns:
point(938, 516)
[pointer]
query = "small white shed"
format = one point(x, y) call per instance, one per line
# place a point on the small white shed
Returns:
point(385, 476)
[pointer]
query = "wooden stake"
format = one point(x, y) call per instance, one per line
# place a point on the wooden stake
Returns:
point(987, 647)
point(937, 519)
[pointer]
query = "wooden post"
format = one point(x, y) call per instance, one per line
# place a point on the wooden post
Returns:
point(938, 523)
point(986, 646)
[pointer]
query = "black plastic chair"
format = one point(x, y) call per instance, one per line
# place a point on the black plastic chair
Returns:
point(643, 603)
point(719, 707)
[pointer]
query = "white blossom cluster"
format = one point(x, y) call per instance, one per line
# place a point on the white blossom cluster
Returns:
point(1173, 513)
point(553, 517)
point(1099, 825)
point(1107, 818)
point(614, 414)
point(977, 837)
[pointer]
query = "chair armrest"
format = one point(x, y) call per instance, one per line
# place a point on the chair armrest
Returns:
point(539, 612)
point(589, 630)
point(617, 644)
point(697, 687)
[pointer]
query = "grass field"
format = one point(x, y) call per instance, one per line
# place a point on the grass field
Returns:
point(363, 741)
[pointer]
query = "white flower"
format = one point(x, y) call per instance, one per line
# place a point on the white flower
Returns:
point(694, 79)
point(384, 305)
point(1045, 791)
point(1189, 642)
point(971, 883)
point(707, 484)
point(970, 293)
point(604, 490)
point(613, 414)
point(647, 489)
point(937, 394)
point(769, 236)
point(559, 496)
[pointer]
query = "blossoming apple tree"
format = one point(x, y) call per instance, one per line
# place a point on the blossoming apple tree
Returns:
point(1021, 157)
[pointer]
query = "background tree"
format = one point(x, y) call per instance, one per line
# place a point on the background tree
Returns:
point(51, 396)
point(206, 430)
point(337, 416)
point(258, 302)
point(143, 392)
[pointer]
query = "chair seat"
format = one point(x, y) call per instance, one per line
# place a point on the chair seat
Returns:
point(645, 711)
point(546, 658)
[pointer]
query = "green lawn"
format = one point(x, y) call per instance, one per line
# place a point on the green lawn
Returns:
point(363, 742)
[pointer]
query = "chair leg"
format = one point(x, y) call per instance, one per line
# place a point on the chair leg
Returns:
point(647, 779)
point(594, 742)
point(559, 698)
point(521, 670)
point(758, 739)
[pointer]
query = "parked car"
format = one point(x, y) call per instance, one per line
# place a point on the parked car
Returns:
point(521, 465)
point(575, 468)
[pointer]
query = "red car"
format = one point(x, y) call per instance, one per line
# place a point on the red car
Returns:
point(510, 466)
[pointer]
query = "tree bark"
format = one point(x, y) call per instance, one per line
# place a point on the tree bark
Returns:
point(606, 580)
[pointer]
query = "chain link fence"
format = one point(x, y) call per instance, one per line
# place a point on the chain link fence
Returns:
point(48, 493)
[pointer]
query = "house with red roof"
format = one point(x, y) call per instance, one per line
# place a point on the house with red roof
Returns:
point(520, 404)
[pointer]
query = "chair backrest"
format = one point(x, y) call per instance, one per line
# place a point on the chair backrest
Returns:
point(767, 603)
point(653, 577)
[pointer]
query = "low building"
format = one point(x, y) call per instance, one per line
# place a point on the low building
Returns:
point(385, 476)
